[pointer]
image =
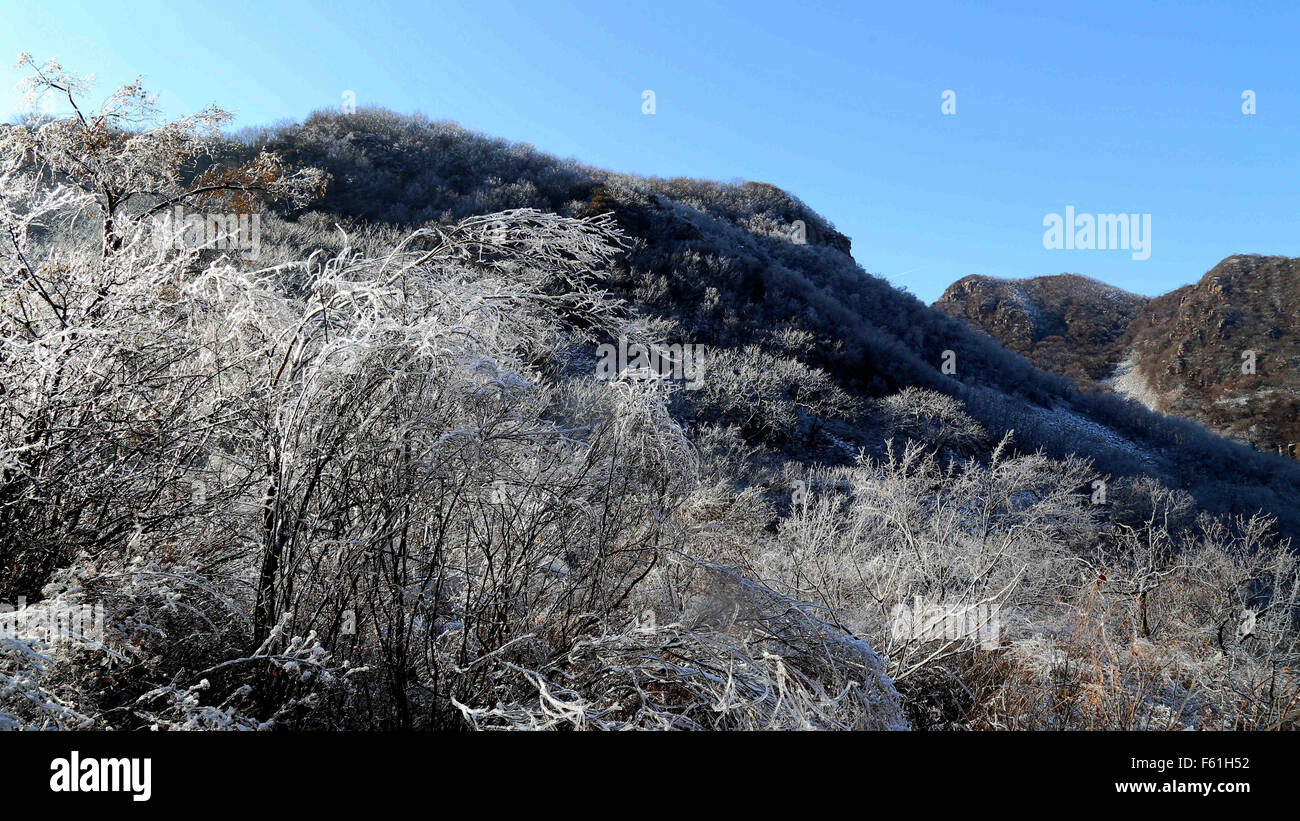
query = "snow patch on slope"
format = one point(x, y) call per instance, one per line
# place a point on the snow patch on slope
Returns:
point(1028, 305)
point(1127, 382)
point(1068, 424)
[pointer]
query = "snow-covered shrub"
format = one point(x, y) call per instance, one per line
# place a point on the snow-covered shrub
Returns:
point(928, 416)
point(705, 648)
point(772, 399)
point(344, 478)
point(1158, 634)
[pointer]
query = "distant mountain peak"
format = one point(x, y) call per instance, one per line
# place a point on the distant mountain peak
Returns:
point(1066, 323)
point(1188, 352)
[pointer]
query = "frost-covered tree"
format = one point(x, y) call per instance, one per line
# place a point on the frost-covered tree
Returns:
point(775, 399)
point(131, 166)
point(931, 417)
point(359, 500)
point(374, 483)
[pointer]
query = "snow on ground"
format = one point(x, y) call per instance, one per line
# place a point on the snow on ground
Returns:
point(1075, 427)
point(1127, 382)
point(1026, 304)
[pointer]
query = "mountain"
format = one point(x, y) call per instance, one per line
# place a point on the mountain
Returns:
point(376, 471)
point(1192, 351)
point(1067, 324)
point(1222, 352)
point(768, 285)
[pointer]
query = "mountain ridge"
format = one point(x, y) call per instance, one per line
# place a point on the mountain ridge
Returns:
point(721, 264)
point(1220, 351)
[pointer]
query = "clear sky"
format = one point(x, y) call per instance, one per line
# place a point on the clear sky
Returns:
point(1106, 106)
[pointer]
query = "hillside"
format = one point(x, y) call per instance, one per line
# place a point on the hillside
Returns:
point(1180, 353)
point(1065, 324)
point(1189, 351)
point(718, 263)
point(464, 436)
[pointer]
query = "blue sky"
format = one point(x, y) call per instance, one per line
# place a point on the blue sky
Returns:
point(1106, 106)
